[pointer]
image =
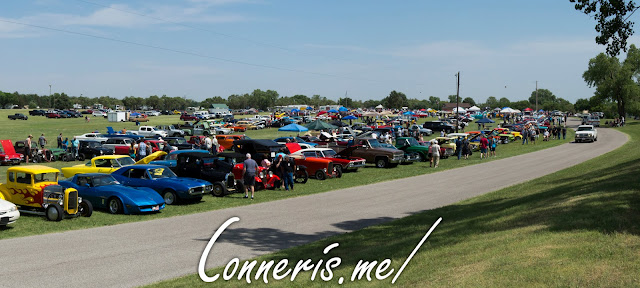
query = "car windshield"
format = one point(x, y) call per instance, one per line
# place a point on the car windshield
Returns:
point(410, 142)
point(374, 143)
point(161, 173)
point(329, 153)
point(125, 161)
point(93, 144)
point(584, 129)
point(104, 180)
point(45, 177)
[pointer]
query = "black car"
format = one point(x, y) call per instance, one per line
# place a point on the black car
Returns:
point(439, 126)
point(37, 112)
point(206, 167)
point(280, 123)
point(178, 142)
point(88, 149)
point(258, 148)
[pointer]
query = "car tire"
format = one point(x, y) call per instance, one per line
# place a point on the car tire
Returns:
point(85, 209)
point(423, 158)
point(219, 190)
point(302, 177)
point(80, 157)
point(54, 212)
point(382, 162)
point(114, 205)
point(239, 186)
point(169, 197)
point(64, 158)
point(320, 175)
point(205, 133)
point(338, 170)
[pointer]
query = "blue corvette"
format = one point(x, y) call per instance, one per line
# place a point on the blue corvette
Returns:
point(169, 160)
point(107, 193)
point(164, 181)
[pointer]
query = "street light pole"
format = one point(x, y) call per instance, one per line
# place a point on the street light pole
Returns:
point(457, 101)
point(50, 98)
point(536, 96)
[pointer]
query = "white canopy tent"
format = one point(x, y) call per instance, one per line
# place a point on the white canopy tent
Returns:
point(474, 108)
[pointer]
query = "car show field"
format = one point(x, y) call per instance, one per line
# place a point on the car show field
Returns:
point(34, 225)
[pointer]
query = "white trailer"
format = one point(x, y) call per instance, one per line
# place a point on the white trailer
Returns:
point(117, 116)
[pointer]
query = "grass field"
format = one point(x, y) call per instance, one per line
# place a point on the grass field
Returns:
point(579, 227)
point(32, 225)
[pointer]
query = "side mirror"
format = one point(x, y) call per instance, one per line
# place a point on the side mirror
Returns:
point(87, 185)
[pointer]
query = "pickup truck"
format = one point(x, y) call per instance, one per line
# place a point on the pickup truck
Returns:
point(371, 151)
point(18, 116)
point(112, 143)
point(171, 130)
point(586, 133)
point(149, 131)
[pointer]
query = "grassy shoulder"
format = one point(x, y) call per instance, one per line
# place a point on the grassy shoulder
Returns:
point(34, 225)
point(577, 227)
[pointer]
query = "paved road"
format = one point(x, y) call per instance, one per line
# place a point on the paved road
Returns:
point(145, 252)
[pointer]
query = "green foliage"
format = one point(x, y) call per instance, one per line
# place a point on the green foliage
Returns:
point(434, 102)
point(470, 101)
point(492, 102)
point(612, 18)
point(614, 80)
point(395, 100)
point(453, 98)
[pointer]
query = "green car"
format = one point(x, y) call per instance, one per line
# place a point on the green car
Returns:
point(410, 144)
point(61, 155)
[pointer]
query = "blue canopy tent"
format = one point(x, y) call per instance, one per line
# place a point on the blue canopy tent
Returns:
point(295, 110)
point(332, 111)
point(343, 109)
point(409, 113)
point(293, 128)
point(135, 114)
point(350, 117)
point(484, 121)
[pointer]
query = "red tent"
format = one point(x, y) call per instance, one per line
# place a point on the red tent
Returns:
point(528, 109)
point(322, 112)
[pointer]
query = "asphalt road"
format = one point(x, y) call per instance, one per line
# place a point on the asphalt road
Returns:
point(141, 253)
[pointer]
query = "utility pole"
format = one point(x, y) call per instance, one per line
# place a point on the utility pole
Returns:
point(457, 101)
point(50, 98)
point(536, 97)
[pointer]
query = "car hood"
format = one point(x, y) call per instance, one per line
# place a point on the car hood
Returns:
point(188, 182)
point(5, 205)
point(153, 156)
point(140, 195)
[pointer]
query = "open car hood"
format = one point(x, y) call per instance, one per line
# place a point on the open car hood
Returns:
point(153, 156)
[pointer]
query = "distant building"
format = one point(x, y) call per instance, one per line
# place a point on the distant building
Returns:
point(219, 108)
point(329, 107)
point(451, 106)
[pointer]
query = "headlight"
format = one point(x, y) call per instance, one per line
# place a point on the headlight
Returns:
point(209, 188)
point(101, 152)
point(324, 169)
point(190, 191)
point(61, 202)
point(261, 174)
point(14, 208)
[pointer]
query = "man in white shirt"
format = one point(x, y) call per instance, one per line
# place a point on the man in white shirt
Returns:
point(435, 154)
point(208, 143)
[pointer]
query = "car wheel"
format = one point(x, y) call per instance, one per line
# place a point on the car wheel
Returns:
point(320, 175)
point(302, 176)
point(115, 205)
point(239, 186)
point(80, 157)
point(381, 162)
point(54, 212)
point(338, 170)
point(64, 158)
point(219, 189)
point(169, 197)
point(85, 209)
point(423, 158)
point(205, 133)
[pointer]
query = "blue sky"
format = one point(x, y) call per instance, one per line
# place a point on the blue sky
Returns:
point(205, 48)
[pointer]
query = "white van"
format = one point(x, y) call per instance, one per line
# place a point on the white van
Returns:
point(202, 114)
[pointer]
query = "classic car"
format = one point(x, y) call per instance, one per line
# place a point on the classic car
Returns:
point(586, 133)
point(340, 160)
point(161, 179)
point(371, 150)
point(283, 140)
point(141, 118)
point(438, 126)
point(420, 129)
point(88, 149)
point(206, 167)
point(53, 115)
point(235, 127)
point(35, 190)
point(107, 164)
point(178, 142)
point(171, 130)
point(9, 213)
point(226, 141)
point(105, 192)
point(187, 117)
point(169, 160)
point(410, 144)
point(409, 157)
point(247, 125)
point(319, 168)
point(8, 153)
point(92, 136)
point(265, 179)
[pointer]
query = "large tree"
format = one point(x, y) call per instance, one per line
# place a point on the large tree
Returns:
point(614, 80)
point(395, 100)
point(613, 23)
point(470, 101)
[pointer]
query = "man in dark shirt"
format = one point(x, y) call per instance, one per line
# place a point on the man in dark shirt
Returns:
point(289, 166)
point(249, 170)
point(459, 147)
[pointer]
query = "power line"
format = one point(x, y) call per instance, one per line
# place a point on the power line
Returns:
point(211, 31)
point(185, 52)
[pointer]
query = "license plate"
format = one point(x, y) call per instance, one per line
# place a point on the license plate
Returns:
point(155, 208)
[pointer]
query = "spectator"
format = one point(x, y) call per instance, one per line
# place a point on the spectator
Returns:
point(459, 147)
point(75, 143)
point(42, 141)
point(27, 148)
point(435, 154)
point(208, 143)
point(132, 150)
point(484, 144)
point(289, 167)
point(564, 132)
point(214, 144)
point(59, 139)
point(249, 175)
point(466, 148)
point(142, 150)
point(493, 143)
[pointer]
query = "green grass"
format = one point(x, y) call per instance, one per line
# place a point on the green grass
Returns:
point(33, 225)
point(578, 227)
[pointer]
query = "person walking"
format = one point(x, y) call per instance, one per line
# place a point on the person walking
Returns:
point(459, 147)
point(27, 148)
point(75, 143)
point(208, 143)
point(484, 144)
point(249, 175)
point(42, 141)
point(214, 144)
point(466, 148)
point(435, 153)
point(289, 165)
point(493, 143)
point(525, 136)
point(142, 150)
point(59, 139)
point(564, 132)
